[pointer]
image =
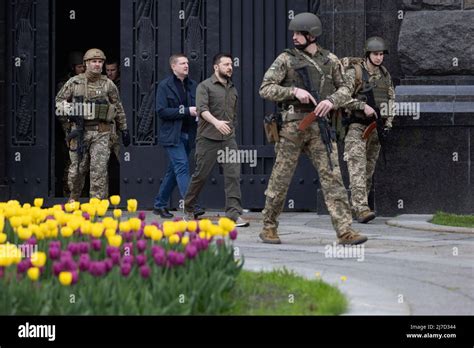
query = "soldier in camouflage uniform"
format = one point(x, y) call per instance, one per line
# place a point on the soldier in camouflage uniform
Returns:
point(112, 70)
point(93, 100)
point(366, 76)
point(283, 84)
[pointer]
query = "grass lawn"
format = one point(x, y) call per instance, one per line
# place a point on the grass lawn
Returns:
point(446, 219)
point(284, 293)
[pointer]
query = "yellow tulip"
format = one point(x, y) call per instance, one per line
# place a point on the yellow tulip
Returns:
point(192, 226)
point(94, 201)
point(135, 224)
point(149, 229)
point(38, 259)
point(202, 235)
point(125, 226)
point(2, 223)
point(65, 278)
point(173, 239)
point(132, 205)
point(86, 227)
point(115, 200)
point(110, 223)
point(66, 231)
point(204, 224)
point(185, 240)
point(92, 210)
point(109, 232)
point(117, 213)
point(3, 238)
point(169, 228)
point(74, 223)
point(24, 233)
point(15, 221)
point(181, 226)
point(33, 273)
point(115, 241)
point(69, 207)
point(38, 202)
point(105, 203)
point(85, 207)
point(97, 230)
point(52, 224)
point(26, 206)
point(156, 235)
point(226, 224)
point(77, 213)
point(101, 210)
point(53, 233)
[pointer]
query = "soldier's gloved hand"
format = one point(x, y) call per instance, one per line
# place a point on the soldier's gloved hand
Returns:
point(125, 138)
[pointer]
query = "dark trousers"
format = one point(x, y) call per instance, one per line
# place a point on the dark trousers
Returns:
point(208, 152)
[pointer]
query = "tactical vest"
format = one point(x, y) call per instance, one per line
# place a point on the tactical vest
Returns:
point(96, 102)
point(379, 87)
point(320, 73)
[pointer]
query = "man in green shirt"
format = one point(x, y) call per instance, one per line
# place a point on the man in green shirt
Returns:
point(216, 103)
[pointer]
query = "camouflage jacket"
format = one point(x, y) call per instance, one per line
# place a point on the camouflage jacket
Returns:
point(276, 86)
point(355, 104)
point(103, 87)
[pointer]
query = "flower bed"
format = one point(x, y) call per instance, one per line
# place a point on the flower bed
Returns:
point(74, 259)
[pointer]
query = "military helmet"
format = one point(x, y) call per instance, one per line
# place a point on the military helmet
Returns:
point(94, 53)
point(375, 44)
point(75, 58)
point(306, 21)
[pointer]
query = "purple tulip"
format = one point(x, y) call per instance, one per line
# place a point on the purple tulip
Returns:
point(86, 216)
point(233, 234)
point(84, 247)
point(69, 265)
point(55, 244)
point(141, 245)
point(54, 253)
point(50, 217)
point(141, 259)
point(115, 257)
point(128, 259)
point(2, 271)
point(96, 244)
point(66, 255)
point(75, 277)
point(97, 268)
point(108, 264)
point(73, 248)
point(191, 251)
point(127, 237)
point(109, 250)
point(155, 249)
point(176, 258)
point(57, 268)
point(22, 267)
point(204, 244)
point(139, 233)
point(142, 215)
point(160, 258)
point(156, 224)
point(145, 271)
point(84, 262)
point(192, 236)
point(125, 269)
point(31, 241)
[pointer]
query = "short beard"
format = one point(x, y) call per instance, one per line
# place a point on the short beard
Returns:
point(222, 76)
point(302, 47)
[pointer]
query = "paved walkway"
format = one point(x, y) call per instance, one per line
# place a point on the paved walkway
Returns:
point(402, 272)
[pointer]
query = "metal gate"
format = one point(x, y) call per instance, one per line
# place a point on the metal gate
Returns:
point(254, 32)
point(28, 99)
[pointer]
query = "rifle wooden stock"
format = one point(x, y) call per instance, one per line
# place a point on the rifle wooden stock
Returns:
point(307, 120)
point(368, 131)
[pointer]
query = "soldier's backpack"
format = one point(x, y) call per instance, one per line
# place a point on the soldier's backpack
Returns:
point(356, 63)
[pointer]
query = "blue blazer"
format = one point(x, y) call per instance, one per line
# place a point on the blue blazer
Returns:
point(170, 119)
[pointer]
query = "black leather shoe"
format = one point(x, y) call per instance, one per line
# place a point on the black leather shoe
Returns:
point(163, 212)
point(198, 211)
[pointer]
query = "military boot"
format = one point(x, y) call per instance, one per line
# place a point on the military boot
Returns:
point(351, 237)
point(365, 216)
point(269, 235)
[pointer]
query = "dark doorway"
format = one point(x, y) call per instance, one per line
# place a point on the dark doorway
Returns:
point(79, 26)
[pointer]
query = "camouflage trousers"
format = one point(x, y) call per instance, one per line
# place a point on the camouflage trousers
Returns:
point(292, 143)
point(95, 160)
point(361, 156)
point(114, 149)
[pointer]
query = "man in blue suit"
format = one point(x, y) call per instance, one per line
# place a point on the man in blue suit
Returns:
point(176, 110)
